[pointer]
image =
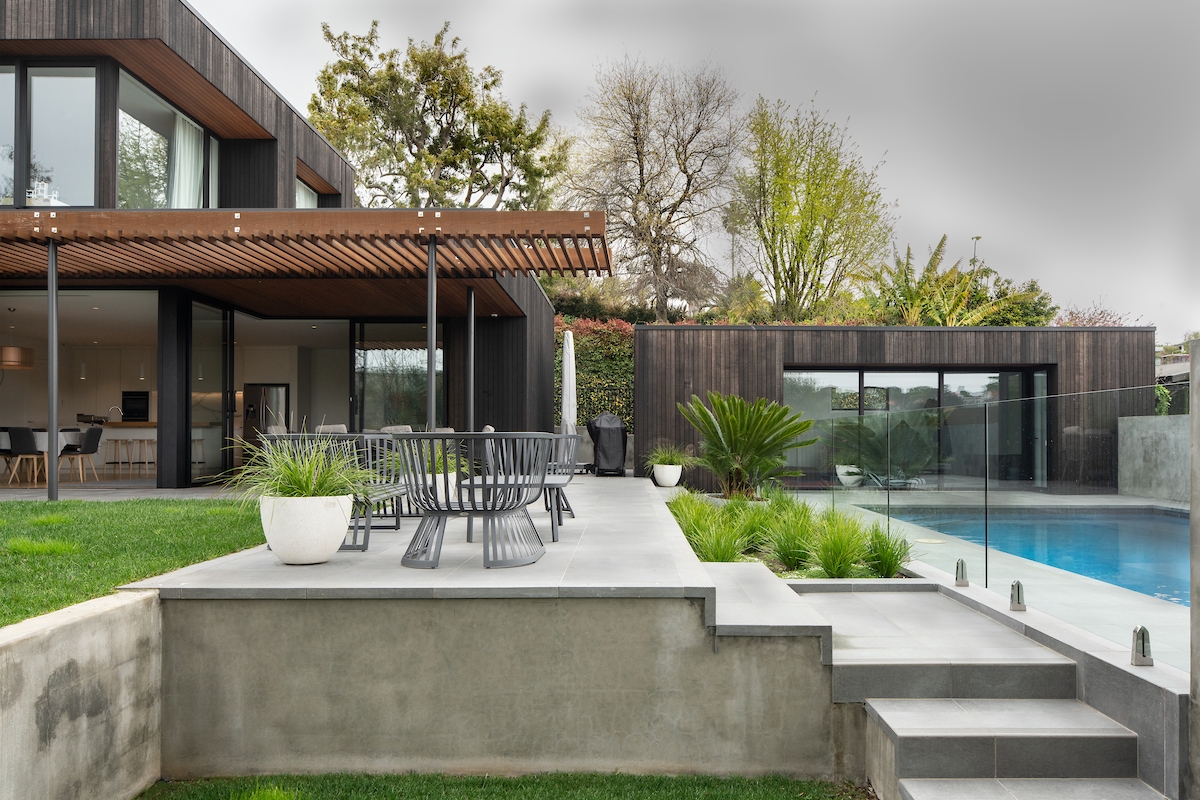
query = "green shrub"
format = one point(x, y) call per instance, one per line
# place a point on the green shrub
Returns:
point(690, 510)
point(24, 546)
point(750, 519)
point(790, 536)
point(887, 553)
point(841, 543)
point(744, 445)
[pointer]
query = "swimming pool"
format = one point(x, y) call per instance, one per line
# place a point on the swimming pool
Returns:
point(1142, 550)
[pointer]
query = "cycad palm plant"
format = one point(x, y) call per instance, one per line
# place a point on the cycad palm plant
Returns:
point(745, 444)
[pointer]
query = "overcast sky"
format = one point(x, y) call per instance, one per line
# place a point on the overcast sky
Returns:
point(1066, 134)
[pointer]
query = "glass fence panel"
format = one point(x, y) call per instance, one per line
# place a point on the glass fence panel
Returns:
point(1088, 507)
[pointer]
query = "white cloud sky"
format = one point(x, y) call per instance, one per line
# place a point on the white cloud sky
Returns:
point(1066, 134)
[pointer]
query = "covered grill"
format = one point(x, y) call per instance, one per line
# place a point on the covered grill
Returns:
point(610, 439)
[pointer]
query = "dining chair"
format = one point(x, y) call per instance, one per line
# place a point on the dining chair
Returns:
point(23, 448)
point(78, 455)
point(558, 475)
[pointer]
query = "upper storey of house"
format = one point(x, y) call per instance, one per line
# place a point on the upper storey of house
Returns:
point(141, 104)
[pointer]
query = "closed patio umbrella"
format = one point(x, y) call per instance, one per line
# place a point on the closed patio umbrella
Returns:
point(569, 407)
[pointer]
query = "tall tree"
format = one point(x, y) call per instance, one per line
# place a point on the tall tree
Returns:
point(655, 156)
point(422, 128)
point(814, 214)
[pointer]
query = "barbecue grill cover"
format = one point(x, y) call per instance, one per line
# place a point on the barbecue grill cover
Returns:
point(609, 436)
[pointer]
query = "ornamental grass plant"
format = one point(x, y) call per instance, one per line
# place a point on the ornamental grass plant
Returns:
point(313, 467)
point(789, 536)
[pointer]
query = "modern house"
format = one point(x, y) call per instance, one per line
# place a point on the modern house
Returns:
point(212, 276)
point(942, 381)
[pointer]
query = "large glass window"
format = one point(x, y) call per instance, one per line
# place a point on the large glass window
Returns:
point(214, 173)
point(8, 127)
point(390, 372)
point(306, 196)
point(822, 396)
point(899, 391)
point(62, 136)
point(160, 152)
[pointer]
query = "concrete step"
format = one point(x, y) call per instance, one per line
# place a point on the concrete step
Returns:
point(1028, 789)
point(987, 738)
point(855, 682)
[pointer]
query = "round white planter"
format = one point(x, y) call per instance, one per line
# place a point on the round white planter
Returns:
point(667, 475)
point(305, 530)
point(849, 475)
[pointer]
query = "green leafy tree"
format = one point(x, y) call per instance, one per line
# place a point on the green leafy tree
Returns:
point(423, 128)
point(812, 215)
point(141, 165)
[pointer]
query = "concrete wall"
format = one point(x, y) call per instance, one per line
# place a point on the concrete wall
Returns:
point(1152, 457)
point(485, 685)
point(79, 701)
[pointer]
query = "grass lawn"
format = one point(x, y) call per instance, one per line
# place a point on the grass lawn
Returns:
point(53, 555)
point(557, 786)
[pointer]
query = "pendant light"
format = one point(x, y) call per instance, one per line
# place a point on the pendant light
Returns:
point(13, 357)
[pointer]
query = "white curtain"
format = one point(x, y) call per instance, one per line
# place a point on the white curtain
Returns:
point(569, 410)
point(185, 171)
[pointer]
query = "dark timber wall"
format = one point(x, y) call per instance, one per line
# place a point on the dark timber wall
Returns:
point(167, 45)
point(672, 363)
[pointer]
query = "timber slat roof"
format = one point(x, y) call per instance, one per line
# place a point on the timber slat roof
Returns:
point(300, 243)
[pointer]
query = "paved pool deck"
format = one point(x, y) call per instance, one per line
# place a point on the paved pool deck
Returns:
point(1101, 608)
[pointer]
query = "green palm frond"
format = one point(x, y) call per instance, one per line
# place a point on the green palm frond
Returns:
point(745, 444)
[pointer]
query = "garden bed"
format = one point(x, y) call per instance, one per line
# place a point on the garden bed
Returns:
point(53, 555)
point(791, 537)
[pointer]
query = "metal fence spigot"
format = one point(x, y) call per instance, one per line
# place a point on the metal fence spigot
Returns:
point(1016, 597)
point(1141, 648)
point(960, 573)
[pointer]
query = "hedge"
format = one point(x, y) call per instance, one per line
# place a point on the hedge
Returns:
point(603, 368)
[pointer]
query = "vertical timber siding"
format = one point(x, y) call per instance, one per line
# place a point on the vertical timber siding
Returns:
point(672, 363)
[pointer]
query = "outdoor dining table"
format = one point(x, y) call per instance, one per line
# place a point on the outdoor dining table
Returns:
point(493, 476)
point(41, 438)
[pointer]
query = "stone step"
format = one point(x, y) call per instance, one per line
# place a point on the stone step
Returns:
point(1028, 789)
point(855, 682)
point(987, 738)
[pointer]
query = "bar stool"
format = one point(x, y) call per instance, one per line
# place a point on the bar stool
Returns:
point(145, 454)
point(116, 452)
point(202, 461)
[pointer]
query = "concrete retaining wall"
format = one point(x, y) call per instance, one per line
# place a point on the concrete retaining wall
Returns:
point(487, 685)
point(79, 701)
point(1152, 457)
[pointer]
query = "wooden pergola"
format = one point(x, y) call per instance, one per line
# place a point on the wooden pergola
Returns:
point(349, 251)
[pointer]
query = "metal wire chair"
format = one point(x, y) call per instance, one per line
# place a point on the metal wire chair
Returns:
point(558, 475)
point(493, 476)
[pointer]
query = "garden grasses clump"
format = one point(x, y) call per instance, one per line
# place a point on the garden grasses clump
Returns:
point(789, 536)
point(840, 544)
point(887, 553)
point(316, 467)
point(669, 455)
point(24, 546)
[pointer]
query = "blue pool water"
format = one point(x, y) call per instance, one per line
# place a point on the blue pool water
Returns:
point(1143, 551)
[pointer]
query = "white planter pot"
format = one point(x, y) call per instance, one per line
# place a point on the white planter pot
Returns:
point(849, 475)
point(667, 475)
point(305, 530)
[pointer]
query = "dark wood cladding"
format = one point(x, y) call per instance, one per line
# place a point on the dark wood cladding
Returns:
point(514, 364)
point(672, 363)
point(169, 47)
point(248, 174)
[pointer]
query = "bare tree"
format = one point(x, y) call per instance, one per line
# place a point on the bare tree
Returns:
point(655, 155)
